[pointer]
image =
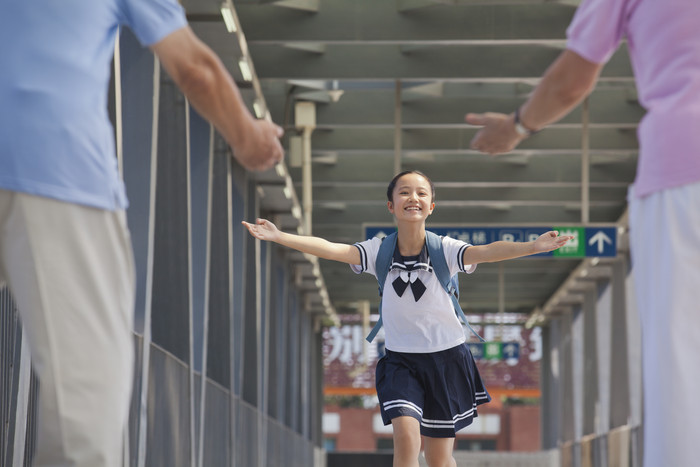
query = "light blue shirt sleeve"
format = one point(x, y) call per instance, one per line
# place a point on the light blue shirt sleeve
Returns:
point(153, 20)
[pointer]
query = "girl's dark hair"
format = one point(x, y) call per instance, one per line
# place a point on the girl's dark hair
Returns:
point(392, 184)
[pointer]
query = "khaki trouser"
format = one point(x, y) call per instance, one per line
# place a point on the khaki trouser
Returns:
point(70, 270)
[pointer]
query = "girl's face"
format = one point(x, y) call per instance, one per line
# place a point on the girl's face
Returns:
point(412, 199)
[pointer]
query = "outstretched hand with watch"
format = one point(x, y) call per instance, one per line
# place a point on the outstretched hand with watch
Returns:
point(564, 85)
point(501, 133)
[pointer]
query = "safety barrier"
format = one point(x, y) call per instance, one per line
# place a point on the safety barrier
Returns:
point(259, 440)
point(620, 447)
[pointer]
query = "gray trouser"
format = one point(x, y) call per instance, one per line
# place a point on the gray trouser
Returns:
point(70, 270)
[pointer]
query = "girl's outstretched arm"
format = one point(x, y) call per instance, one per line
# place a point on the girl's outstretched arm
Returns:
point(499, 251)
point(266, 230)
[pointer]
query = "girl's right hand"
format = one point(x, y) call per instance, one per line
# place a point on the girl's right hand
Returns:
point(263, 230)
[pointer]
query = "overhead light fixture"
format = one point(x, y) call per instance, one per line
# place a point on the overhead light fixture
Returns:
point(335, 93)
point(258, 108)
point(287, 192)
point(229, 20)
point(245, 69)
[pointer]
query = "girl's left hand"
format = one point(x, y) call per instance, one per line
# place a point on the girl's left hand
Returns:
point(551, 240)
point(263, 230)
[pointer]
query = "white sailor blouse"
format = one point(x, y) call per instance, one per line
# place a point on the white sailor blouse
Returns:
point(417, 313)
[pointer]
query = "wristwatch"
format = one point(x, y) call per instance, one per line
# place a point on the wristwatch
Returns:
point(521, 129)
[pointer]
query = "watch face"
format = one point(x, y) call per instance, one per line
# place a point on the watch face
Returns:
point(521, 130)
point(519, 127)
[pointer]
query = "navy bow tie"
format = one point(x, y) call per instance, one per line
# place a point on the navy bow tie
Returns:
point(408, 268)
point(417, 287)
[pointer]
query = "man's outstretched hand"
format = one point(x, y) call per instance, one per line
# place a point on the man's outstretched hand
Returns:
point(497, 135)
point(260, 147)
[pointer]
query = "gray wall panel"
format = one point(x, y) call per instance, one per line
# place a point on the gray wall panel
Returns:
point(217, 450)
point(10, 342)
point(170, 318)
point(200, 136)
point(247, 435)
point(240, 280)
point(220, 293)
point(252, 318)
point(168, 412)
point(134, 409)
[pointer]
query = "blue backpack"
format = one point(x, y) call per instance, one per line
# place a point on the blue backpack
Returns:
point(442, 271)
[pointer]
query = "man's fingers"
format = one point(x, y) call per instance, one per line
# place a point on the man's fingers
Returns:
point(475, 119)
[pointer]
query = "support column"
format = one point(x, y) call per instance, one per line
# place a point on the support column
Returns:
point(591, 404)
point(251, 312)
point(305, 120)
point(566, 370)
point(397, 127)
point(551, 385)
point(585, 163)
point(619, 362)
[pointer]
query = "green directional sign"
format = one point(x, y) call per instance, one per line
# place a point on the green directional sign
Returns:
point(591, 241)
point(575, 248)
point(492, 350)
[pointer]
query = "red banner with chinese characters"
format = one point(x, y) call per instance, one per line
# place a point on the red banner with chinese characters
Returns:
point(350, 360)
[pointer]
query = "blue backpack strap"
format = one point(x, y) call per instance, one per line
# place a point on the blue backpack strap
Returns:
point(442, 271)
point(381, 268)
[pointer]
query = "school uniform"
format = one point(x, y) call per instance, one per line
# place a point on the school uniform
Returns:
point(428, 371)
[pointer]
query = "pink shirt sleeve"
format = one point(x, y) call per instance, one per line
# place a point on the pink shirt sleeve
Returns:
point(597, 29)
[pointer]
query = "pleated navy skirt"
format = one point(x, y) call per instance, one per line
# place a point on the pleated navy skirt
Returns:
point(441, 389)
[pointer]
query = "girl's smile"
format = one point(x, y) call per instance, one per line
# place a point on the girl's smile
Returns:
point(412, 198)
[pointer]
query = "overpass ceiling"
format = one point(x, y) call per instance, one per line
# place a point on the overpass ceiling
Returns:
point(447, 58)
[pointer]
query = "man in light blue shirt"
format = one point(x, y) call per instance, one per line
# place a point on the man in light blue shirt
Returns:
point(64, 246)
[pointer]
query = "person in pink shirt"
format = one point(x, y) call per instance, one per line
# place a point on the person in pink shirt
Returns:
point(663, 38)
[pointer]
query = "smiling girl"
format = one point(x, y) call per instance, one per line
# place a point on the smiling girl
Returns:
point(427, 383)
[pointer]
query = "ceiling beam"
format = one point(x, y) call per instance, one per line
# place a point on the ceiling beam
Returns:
point(389, 62)
point(437, 139)
point(608, 106)
point(406, 5)
point(372, 20)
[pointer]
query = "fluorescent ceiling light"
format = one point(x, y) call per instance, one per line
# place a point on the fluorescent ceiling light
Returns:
point(258, 108)
point(227, 14)
point(245, 69)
